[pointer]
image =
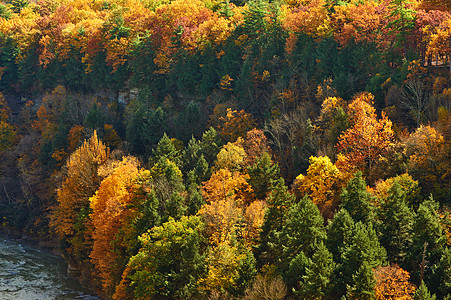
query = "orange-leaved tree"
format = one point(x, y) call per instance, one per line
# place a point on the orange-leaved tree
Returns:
point(429, 159)
point(323, 183)
point(368, 138)
point(392, 282)
point(71, 219)
point(235, 124)
point(110, 206)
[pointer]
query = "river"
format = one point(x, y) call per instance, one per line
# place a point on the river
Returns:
point(31, 274)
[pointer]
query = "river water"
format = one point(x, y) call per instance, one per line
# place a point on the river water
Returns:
point(30, 274)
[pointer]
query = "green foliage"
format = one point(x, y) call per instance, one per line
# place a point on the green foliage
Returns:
point(262, 174)
point(166, 149)
point(135, 130)
point(339, 233)
point(403, 19)
point(194, 200)
point(357, 200)
point(144, 129)
point(18, 5)
point(254, 20)
point(190, 121)
point(194, 163)
point(247, 271)
point(170, 260)
point(427, 234)
point(363, 252)
point(316, 282)
point(167, 182)
point(303, 230)
point(441, 278)
point(5, 13)
point(363, 284)
point(95, 118)
point(396, 222)
point(422, 293)
point(175, 54)
point(297, 269)
point(279, 203)
point(148, 215)
point(153, 128)
point(210, 145)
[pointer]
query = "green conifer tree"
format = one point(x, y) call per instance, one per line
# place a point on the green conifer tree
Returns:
point(357, 200)
point(166, 148)
point(428, 240)
point(364, 248)
point(303, 230)
point(262, 174)
point(279, 202)
point(363, 284)
point(316, 281)
point(422, 293)
point(441, 278)
point(339, 233)
point(396, 222)
point(210, 145)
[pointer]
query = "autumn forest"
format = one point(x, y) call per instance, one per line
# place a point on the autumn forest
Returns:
point(232, 149)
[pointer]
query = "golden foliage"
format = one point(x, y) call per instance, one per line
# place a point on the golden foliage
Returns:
point(80, 183)
point(222, 261)
point(392, 282)
point(368, 138)
point(235, 124)
point(323, 183)
point(232, 156)
point(109, 210)
point(429, 159)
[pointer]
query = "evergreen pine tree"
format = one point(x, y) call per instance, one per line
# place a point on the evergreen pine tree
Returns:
point(210, 145)
point(428, 239)
point(246, 272)
point(279, 202)
point(153, 128)
point(166, 148)
point(422, 293)
point(396, 222)
point(441, 278)
point(193, 160)
point(134, 131)
point(357, 200)
point(364, 248)
point(296, 270)
point(339, 233)
point(363, 284)
point(316, 281)
point(262, 174)
point(302, 230)
point(191, 154)
point(194, 199)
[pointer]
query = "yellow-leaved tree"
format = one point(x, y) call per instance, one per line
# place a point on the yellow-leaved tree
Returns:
point(110, 209)
point(369, 138)
point(323, 183)
point(429, 160)
point(71, 217)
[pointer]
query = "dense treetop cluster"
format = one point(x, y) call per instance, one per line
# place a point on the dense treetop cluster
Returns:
point(232, 149)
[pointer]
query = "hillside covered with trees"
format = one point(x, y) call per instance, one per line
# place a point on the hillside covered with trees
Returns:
point(206, 149)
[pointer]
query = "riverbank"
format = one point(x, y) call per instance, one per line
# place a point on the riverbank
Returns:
point(30, 273)
point(48, 246)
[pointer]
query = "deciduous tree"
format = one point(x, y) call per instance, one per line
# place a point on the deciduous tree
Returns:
point(392, 282)
point(368, 138)
point(71, 218)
